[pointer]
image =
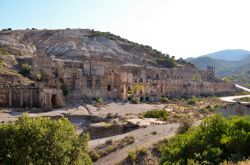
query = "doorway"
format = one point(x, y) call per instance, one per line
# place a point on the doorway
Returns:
point(53, 100)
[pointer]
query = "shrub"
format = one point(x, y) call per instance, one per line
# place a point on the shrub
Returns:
point(42, 141)
point(132, 155)
point(64, 89)
point(164, 100)
point(154, 133)
point(2, 63)
point(185, 125)
point(155, 113)
point(136, 100)
point(141, 151)
point(208, 107)
point(38, 77)
point(216, 139)
point(94, 155)
point(25, 69)
point(99, 100)
point(191, 102)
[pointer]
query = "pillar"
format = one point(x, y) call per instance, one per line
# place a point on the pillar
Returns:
point(21, 97)
point(10, 98)
point(31, 98)
point(125, 93)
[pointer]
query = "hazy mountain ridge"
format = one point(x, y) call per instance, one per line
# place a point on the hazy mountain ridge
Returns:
point(229, 54)
point(226, 65)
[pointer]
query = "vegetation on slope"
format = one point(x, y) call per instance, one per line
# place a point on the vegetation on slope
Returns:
point(215, 140)
point(42, 141)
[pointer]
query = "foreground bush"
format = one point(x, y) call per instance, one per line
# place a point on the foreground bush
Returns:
point(185, 125)
point(155, 113)
point(42, 141)
point(215, 140)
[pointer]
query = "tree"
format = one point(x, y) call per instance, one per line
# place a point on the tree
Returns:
point(42, 141)
point(216, 139)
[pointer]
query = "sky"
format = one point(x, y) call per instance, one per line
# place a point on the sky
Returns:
point(181, 28)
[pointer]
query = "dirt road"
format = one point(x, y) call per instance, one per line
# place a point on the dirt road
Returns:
point(144, 137)
point(231, 99)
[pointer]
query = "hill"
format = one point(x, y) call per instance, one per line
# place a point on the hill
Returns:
point(73, 45)
point(229, 54)
point(233, 65)
point(202, 62)
point(81, 44)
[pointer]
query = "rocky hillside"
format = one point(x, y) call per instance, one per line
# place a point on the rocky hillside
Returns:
point(73, 44)
point(81, 44)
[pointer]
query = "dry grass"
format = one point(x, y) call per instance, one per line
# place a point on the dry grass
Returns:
point(110, 146)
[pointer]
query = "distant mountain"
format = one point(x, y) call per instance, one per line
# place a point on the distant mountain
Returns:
point(203, 61)
point(229, 54)
point(228, 63)
point(222, 60)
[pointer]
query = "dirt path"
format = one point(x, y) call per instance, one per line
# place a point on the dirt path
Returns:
point(144, 138)
point(231, 99)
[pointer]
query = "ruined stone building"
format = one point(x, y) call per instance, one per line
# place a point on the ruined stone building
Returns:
point(93, 79)
point(83, 63)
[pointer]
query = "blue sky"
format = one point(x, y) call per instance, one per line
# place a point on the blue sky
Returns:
point(62, 13)
point(181, 28)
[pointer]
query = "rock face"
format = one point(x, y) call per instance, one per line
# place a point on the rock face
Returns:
point(85, 64)
point(75, 44)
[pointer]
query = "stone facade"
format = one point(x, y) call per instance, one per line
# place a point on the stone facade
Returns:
point(93, 79)
point(36, 95)
point(112, 81)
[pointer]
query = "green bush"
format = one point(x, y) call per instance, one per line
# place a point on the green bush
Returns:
point(185, 125)
point(164, 100)
point(141, 151)
point(136, 100)
point(94, 155)
point(2, 63)
point(42, 141)
point(155, 113)
point(99, 100)
point(25, 69)
point(64, 89)
point(38, 77)
point(216, 139)
point(191, 102)
point(132, 155)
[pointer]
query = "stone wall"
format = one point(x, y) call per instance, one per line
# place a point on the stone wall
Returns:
point(112, 81)
point(31, 96)
point(107, 80)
